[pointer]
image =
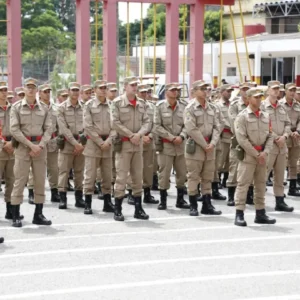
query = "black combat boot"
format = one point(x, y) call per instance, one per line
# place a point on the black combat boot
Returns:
point(262, 218)
point(250, 193)
point(224, 180)
point(118, 216)
point(9, 214)
point(163, 200)
point(70, 187)
point(239, 218)
point(198, 196)
point(16, 216)
point(30, 196)
point(139, 213)
point(55, 195)
point(88, 205)
point(63, 200)
point(181, 203)
point(269, 181)
point(79, 202)
point(155, 183)
point(185, 192)
point(148, 198)
point(100, 193)
point(220, 186)
point(96, 189)
point(108, 205)
point(38, 217)
point(293, 191)
point(1, 240)
point(207, 207)
point(298, 180)
point(193, 206)
point(130, 198)
point(215, 192)
point(282, 206)
point(231, 191)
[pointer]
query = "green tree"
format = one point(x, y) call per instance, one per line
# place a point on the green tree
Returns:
point(212, 26)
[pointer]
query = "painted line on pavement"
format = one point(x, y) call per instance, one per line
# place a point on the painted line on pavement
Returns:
point(145, 263)
point(160, 282)
point(154, 231)
point(152, 245)
point(285, 297)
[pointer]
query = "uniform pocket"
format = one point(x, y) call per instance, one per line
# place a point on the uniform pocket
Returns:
point(25, 117)
point(39, 117)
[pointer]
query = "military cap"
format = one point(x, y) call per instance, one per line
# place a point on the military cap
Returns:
point(45, 87)
point(246, 85)
point(62, 92)
point(10, 94)
point(199, 83)
point(86, 87)
point(100, 83)
point(171, 86)
point(19, 90)
point(142, 88)
point(30, 81)
point(131, 80)
point(3, 85)
point(112, 86)
point(273, 84)
point(254, 92)
point(298, 90)
point(226, 87)
point(74, 85)
point(290, 86)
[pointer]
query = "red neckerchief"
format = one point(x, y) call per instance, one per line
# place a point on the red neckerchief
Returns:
point(274, 105)
point(4, 107)
point(133, 102)
point(257, 113)
point(173, 107)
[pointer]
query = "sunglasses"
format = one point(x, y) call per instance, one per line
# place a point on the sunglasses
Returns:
point(102, 87)
point(47, 92)
point(64, 96)
point(75, 90)
point(21, 95)
point(3, 90)
point(134, 84)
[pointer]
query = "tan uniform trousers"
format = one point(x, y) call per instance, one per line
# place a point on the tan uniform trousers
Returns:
point(52, 171)
point(224, 158)
point(166, 162)
point(199, 170)
point(277, 163)
point(113, 174)
point(98, 175)
point(298, 166)
point(293, 155)
point(65, 163)
point(21, 171)
point(155, 163)
point(247, 173)
point(148, 158)
point(129, 162)
point(7, 173)
point(217, 162)
point(233, 167)
point(92, 165)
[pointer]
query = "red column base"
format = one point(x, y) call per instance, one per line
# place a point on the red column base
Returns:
point(297, 80)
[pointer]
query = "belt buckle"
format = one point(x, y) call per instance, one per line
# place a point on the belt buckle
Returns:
point(33, 139)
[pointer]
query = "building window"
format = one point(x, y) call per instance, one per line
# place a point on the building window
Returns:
point(231, 71)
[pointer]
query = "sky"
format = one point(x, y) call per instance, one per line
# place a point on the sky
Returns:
point(134, 11)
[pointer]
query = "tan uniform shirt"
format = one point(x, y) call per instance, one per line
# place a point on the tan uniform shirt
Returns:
point(293, 112)
point(235, 107)
point(128, 120)
point(52, 145)
point(168, 124)
point(97, 127)
point(280, 123)
point(224, 109)
point(70, 122)
point(253, 131)
point(203, 126)
point(28, 122)
point(150, 108)
point(5, 126)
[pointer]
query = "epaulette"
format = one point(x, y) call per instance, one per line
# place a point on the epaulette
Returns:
point(117, 99)
point(160, 102)
point(16, 103)
point(90, 101)
point(184, 102)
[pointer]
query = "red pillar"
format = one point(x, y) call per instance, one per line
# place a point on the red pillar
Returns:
point(14, 45)
point(83, 41)
point(196, 41)
point(297, 70)
point(110, 40)
point(172, 42)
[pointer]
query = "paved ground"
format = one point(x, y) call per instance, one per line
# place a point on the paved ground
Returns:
point(171, 256)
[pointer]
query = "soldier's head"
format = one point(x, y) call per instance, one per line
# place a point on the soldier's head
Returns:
point(112, 90)
point(149, 93)
point(3, 90)
point(142, 91)
point(154, 98)
point(208, 93)
point(131, 86)
point(172, 91)
point(254, 97)
point(281, 91)
point(273, 89)
point(20, 93)
point(100, 87)
point(45, 92)
point(297, 94)
point(226, 90)
point(10, 96)
point(86, 92)
point(62, 95)
point(74, 89)
point(30, 88)
point(200, 89)
point(290, 91)
point(244, 87)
